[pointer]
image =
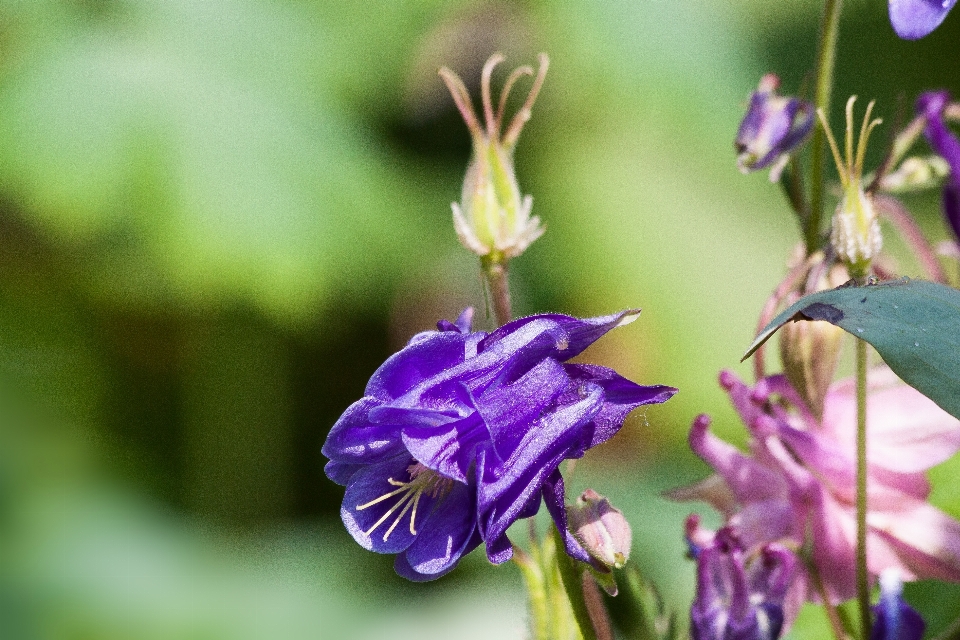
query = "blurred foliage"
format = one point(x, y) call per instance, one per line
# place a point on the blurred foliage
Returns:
point(218, 218)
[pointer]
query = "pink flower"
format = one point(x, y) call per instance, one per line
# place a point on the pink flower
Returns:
point(797, 485)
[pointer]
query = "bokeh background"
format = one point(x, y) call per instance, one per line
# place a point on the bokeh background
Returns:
point(218, 218)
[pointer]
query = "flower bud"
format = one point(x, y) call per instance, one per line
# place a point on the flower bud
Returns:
point(916, 173)
point(600, 528)
point(771, 129)
point(855, 232)
point(492, 216)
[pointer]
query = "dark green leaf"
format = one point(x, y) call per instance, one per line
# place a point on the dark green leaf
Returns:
point(914, 325)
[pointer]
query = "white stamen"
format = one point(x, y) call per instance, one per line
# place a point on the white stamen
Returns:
point(422, 480)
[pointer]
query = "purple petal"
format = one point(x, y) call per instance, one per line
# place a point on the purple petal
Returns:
point(449, 449)
point(443, 537)
point(499, 549)
point(510, 410)
point(369, 484)
point(403, 568)
point(553, 496)
point(431, 355)
point(621, 396)
point(554, 335)
point(504, 490)
point(895, 619)
point(913, 19)
point(355, 439)
point(341, 472)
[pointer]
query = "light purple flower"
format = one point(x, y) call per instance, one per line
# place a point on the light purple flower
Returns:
point(740, 596)
point(772, 128)
point(895, 619)
point(461, 433)
point(797, 485)
point(913, 19)
point(931, 105)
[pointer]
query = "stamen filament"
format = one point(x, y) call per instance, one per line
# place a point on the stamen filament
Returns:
point(402, 513)
point(402, 485)
point(386, 515)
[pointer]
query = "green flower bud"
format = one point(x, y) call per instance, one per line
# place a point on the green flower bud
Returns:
point(492, 216)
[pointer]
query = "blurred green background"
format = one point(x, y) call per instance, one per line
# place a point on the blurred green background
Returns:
point(218, 218)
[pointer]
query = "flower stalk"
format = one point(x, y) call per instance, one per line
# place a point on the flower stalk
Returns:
point(496, 277)
point(826, 59)
point(863, 579)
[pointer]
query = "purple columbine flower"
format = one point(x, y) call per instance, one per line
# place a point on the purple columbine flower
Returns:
point(913, 19)
point(461, 433)
point(740, 596)
point(772, 128)
point(895, 619)
point(932, 105)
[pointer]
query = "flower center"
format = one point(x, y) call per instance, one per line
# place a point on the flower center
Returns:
point(422, 480)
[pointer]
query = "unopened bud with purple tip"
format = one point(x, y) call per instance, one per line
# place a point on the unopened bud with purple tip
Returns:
point(740, 596)
point(772, 129)
point(895, 619)
point(601, 529)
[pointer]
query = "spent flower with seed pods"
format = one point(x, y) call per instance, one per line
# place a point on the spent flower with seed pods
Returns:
point(492, 216)
point(855, 231)
point(461, 433)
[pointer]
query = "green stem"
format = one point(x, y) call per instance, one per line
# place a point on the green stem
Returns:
point(826, 57)
point(536, 592)
point(572, 575)
point(863, 579)
point(494, 267)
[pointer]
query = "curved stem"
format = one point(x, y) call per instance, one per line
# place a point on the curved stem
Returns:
point(898, 215)
point(826, 57)
point(863, 579)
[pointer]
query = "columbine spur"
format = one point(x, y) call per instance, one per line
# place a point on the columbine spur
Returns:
point(461, 433)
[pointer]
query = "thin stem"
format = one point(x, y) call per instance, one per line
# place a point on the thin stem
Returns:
point(863, 579)
point(571, 573)
point(495, 271)
point(826, 58)
point(836, 624)
point(536, 592)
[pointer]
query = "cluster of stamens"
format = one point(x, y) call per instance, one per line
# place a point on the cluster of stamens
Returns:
point(422, 481)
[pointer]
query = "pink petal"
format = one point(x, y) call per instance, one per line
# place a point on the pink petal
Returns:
point(907, 432)
point(748, 480)
point(926, 539)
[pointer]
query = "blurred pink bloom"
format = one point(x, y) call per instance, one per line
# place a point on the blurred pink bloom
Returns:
point(797, 485)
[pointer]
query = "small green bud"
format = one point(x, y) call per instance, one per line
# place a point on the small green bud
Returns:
point(916, 173)
point(493, 217)
point(600, 528)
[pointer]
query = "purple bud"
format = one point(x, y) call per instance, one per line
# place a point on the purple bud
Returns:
point(772, 128)
point(895, 619)
point(600, 528)
point(740, 596)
